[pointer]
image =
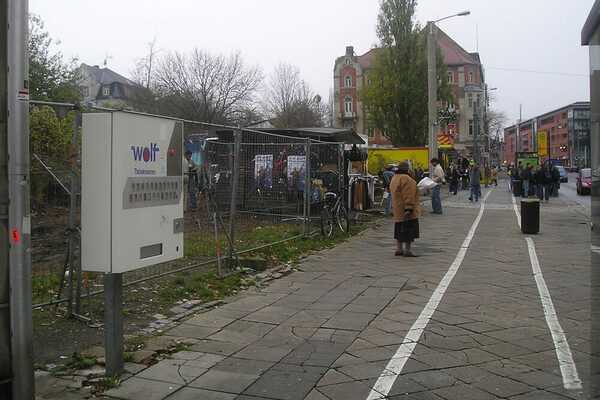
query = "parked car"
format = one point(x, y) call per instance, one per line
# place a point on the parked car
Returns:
point(564, 177)
point(584, 181)
point(574, 168)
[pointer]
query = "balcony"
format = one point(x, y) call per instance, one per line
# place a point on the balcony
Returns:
point(347, 115)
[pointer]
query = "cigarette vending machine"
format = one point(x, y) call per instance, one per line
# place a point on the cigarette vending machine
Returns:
point(132, 191)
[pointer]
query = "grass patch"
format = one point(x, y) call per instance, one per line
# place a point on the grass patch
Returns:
point(181, 347)
point(105, 384)
point(79, 361)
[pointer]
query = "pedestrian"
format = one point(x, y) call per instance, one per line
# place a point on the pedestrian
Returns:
point(407, 210)
point(526, 177)
point(192, 176)
point(486, 174)
point(494, 175)
point(475, 179)
point(555, 180)
point(438, 178)
point(544, 180)
point(387, 176)
point(418, 174)
point(453, 179)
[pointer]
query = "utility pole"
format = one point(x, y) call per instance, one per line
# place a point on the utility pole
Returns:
point(432, 96)
point(476, 155)
point(432, 88)
point(5, 360)
point(19, 219)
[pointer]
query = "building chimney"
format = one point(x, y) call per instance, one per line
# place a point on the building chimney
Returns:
point(349, 51)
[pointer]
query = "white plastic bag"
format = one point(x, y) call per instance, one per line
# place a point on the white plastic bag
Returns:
point(425, 184)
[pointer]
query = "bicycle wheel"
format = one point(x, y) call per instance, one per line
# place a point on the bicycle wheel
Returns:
point(342, 219)
point(326, 222)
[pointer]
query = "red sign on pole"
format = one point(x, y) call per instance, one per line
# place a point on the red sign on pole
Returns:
point(15, 235)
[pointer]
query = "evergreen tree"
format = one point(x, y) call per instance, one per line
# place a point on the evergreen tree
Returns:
point(50, 77)
point(395, 96)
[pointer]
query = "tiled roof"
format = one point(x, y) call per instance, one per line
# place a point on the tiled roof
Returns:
point(105, 76)
point(452, 52)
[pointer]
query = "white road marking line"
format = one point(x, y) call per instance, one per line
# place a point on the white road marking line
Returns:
point(567, 366)
point(563, 352)
point(389, 375)
point(516, 208)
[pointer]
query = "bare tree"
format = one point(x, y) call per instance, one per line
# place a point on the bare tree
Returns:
point(496, 120)
point(142, 72)
point(208, 88)
point(290, 101)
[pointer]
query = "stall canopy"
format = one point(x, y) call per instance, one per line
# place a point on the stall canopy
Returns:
point(344, 135)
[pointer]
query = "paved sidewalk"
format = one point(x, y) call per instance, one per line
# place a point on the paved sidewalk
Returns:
point(329, 330)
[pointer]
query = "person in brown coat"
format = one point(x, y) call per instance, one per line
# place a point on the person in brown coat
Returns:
point(407, 211)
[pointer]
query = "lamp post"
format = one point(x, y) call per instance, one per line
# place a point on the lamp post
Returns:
point(486, 128)
point(476, 130)
point(432, 87)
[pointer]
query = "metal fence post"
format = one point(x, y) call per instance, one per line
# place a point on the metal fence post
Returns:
point(113, 323)
point(307, 187)
point(19, 218)
point(237, 135)
point(342, 176)
point(74, 190)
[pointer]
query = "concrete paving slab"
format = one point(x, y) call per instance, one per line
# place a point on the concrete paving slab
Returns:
point(503, 387)
point(278, 388)
point(224, 381)
point(242, 366)
point(165, 371)
point(462, 392)
point(210, 321)
point(191, 393)
point(186, 330)
point(254, 352)
point(348, 391)
point(216, 347)
point(136, 388)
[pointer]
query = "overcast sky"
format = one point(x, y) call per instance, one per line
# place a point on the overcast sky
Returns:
point(512, 36)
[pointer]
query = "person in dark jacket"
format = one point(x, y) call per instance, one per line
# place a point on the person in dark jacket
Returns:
point(475, 178)
point(453, 178)
point(543, 180)
point(555, 184)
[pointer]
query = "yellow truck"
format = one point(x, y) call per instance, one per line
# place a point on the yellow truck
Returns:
point(379, 159)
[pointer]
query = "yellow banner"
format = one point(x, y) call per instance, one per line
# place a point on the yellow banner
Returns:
point(542, 143)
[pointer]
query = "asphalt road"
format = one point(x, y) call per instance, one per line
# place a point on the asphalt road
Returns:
point(568, 189)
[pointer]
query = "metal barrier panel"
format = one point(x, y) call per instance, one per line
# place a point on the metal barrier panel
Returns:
point(281, 181)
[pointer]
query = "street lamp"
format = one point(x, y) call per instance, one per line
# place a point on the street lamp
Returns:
point(486, 103)
point(432, 87)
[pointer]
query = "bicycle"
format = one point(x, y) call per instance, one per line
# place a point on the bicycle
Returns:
point(334, 210)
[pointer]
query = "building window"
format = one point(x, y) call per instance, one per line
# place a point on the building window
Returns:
point(471, 127)
point(105, 91)
point(347, 61)
point(86, 91)
point(450, 76)
point(370, 132)
point(471, 77)
point(348, 81)
point(348, 104)
point(470, 100)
